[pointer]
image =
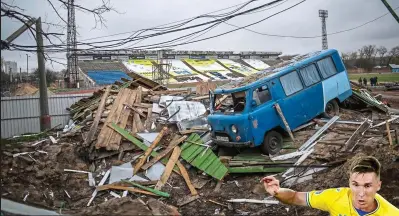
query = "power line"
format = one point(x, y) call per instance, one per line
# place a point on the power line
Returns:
point(310, 37)
point(127, 40)
point(122, 33)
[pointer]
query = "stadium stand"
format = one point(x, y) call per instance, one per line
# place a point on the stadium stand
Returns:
point(237, 67)
point(107, 77)
point(211, 68)
point(256, 63)
point(140, 66)
point(115, 66)
point(182, 73)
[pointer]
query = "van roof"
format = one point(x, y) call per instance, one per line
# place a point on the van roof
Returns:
point(271, 72)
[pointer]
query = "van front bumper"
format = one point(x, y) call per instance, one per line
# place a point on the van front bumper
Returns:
point(232, 144)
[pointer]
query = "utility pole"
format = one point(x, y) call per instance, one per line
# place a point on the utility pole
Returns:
point(27, 63)
point(72, 70)
point(45, 119)
point(391, 10)
point(20, 74)
point(323, 14)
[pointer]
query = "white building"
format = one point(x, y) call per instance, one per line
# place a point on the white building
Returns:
point(11, 68)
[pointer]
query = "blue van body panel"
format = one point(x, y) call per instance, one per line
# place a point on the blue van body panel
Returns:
point(222, 123)
point(300, 107)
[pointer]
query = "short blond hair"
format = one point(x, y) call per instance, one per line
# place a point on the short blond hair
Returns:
point(365, 164)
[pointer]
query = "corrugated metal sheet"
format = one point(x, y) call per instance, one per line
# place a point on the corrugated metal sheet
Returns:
point(21, 115)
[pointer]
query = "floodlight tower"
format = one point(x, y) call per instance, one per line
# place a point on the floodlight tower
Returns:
point(323, 14)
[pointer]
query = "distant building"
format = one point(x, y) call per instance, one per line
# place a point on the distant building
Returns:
point(394, 68)
point(11, 68)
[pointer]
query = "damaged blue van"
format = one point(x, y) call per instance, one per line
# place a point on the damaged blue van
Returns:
point(304, 87)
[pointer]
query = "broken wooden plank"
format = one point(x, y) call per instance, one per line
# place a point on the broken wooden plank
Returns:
point(312, 139)
point(287, 127)
point(219, 101)
point(139, 124)
point(116, 187)
point(185, 132)
point(217, 203)
point(148, 121)
point(157, 192)
point(135, 110)
point(200, 98)
point(162, 154)
point(108, 135)
point(351, 142)
point(137, 142)
point(169, 166)
point(389, 133)
point(94, 126)
point(382, 123)
point(147, 153)
point(186, 177)
point(185, 201)
point(115, 138)
point(142, 105)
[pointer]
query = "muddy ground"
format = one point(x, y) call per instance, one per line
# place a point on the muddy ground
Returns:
point(40, 179)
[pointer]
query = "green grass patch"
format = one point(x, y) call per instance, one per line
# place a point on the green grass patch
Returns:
point(385, 77)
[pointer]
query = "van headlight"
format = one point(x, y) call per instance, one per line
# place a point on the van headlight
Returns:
point(234, 129)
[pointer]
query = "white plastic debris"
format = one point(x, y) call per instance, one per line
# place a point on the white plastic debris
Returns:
point(115, 194)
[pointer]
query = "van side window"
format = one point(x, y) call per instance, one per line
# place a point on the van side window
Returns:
point(291, 83)
point(261, 95)
point(310, 75)
point(327, 67)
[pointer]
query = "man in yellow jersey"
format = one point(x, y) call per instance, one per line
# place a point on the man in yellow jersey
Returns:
point(359, 199)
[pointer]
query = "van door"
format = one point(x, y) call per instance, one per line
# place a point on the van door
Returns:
point(262, 116)
point(293, 103)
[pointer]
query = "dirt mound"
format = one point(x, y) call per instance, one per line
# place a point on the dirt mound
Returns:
point(42, 176)
point(25, 89)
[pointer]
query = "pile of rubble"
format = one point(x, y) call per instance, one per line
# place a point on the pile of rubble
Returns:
point(136, 147)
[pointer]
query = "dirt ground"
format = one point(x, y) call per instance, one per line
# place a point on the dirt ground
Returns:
point(40, 179)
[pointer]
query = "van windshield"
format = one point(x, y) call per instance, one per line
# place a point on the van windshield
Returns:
point(229, 103)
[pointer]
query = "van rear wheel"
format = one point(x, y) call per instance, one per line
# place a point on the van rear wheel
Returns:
point(332, 109)
point(272, 143)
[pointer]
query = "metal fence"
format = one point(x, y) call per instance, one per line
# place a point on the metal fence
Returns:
point(21, 115)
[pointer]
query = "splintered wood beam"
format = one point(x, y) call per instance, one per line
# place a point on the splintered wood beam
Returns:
point(280, 113)
point(351, 142)
point(169, 167)
point(186, 177)
point(165, 152)
point(147, 153)
point(116, 187)
point(94, 126)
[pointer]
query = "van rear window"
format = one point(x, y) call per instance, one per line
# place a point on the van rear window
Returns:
point(291, 83)
point(310, 75)
point(327, 67)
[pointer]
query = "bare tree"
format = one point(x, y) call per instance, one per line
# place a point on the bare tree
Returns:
point(369, 51)
point(393, 55)
point(353, 55)
point(52, 30)
point(381, 52)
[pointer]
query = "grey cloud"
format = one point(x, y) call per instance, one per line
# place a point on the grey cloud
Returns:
point(302, 20)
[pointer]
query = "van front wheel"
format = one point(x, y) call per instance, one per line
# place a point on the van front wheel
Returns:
point(272, 143)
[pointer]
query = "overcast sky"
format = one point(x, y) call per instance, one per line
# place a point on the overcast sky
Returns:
point(302, 20)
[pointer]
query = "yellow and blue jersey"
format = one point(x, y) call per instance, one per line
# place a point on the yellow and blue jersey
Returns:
point(338, 202)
